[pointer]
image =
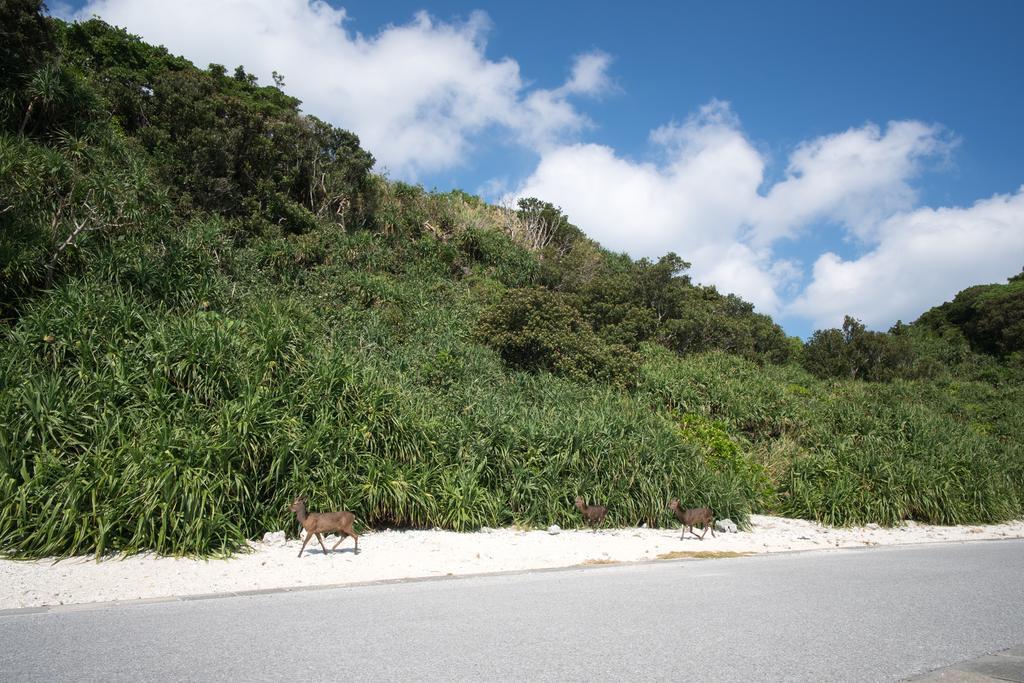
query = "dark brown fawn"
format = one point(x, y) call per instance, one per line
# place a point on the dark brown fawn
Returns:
point(593, 514)
point(317, 523)
point(699, 516)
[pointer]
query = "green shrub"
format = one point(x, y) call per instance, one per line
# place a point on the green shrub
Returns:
point(856, 353)
point(509, 263)
point(533, 329)
point(725, 453)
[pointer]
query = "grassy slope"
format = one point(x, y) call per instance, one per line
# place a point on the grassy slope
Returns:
point(188, 374)
point(186, 423)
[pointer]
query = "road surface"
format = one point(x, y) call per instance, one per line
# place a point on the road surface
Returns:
point(873, 614)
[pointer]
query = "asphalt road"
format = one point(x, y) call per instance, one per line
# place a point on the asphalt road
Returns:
point(873, 614)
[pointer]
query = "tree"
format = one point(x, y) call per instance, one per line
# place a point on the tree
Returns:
point(224, 144)
point(824, 354)
point(538, 225)
point(990, 317)
point(659, 285)
point(857, 353)
point(26, 39)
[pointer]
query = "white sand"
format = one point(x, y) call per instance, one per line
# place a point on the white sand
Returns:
point(407, 554)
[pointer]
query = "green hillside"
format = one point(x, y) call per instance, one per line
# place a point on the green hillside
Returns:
point(211, 305)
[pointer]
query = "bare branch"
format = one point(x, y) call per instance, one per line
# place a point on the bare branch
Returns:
point(86, 224)
point(528, 229)
point(79, 228)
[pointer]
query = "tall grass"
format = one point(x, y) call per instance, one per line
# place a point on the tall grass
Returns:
point(185, 423)
point(851, 452)
point(181, 386)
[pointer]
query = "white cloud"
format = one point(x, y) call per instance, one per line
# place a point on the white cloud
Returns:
point(589, 75)
point(922, 258)
point(415, 93)
point(857, 178)
point(695, 199)
point(703, 200)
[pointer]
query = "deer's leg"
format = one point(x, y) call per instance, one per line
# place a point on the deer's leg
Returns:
point(349, 532)
point(308, 536)
point(321, 539)
point(712, 527)
point(682, 531)
point(703, 532)
point(341, 538)
point(695, 533)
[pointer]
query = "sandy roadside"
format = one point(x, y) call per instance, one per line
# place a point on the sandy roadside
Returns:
point(410, 554)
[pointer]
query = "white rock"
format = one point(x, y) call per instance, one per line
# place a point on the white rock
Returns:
point(276, 537)
point(725, 526)
point(554, 529)
point(872, 526)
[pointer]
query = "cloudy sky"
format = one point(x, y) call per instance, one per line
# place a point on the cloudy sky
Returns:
point(816, 158)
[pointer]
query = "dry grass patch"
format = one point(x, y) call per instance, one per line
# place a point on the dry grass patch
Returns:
point(586, 563)
point(700, 554)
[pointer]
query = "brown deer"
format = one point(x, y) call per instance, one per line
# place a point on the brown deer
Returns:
point(593, 514)
point(317, 523)
point(699, 516)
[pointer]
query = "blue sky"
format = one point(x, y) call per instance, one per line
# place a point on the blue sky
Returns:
point(816, 158)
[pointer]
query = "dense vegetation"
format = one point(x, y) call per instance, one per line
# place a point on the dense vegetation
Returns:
point(210, 305)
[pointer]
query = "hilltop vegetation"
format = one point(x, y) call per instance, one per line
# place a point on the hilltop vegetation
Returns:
point(210, 305)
